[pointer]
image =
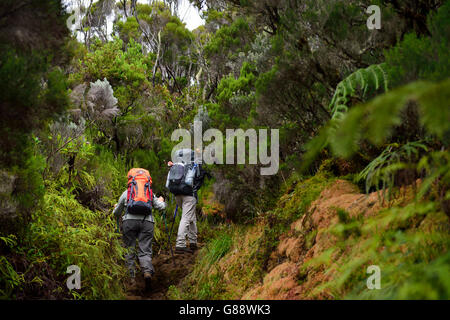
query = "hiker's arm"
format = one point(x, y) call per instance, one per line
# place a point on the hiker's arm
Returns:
point(120, 206)
point(159, 203)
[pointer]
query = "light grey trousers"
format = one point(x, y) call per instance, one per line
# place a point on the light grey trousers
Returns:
point(188, 223)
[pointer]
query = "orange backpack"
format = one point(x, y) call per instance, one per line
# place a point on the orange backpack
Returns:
point(139, 192)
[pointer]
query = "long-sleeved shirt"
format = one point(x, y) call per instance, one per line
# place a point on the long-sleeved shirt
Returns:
point(121, 208)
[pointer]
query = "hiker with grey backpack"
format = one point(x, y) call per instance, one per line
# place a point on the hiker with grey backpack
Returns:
point(184, 180)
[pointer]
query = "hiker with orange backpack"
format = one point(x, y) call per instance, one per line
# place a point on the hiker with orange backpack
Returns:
point(136, 203)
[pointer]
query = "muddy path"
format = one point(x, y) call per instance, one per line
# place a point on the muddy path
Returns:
point(167, 273)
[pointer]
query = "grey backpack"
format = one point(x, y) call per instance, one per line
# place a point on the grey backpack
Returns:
point(180, 180)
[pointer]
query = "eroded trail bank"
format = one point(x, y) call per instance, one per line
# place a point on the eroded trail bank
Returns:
point(319, 242)
point(326, 253)
point(168, 272)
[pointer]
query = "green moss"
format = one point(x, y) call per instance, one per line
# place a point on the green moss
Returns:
point(293, 204)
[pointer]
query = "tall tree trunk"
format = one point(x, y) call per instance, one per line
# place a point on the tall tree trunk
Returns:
point(157, 58)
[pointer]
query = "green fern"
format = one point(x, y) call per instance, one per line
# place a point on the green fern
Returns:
point(382, 170)
point(375, 120)
point(362, 83)
point(65, 233)
point(9, 278)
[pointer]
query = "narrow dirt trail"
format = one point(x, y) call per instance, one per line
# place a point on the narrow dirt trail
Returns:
point(167, 273)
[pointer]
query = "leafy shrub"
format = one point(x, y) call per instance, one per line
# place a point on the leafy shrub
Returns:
point(65, 233)
point(425, 58)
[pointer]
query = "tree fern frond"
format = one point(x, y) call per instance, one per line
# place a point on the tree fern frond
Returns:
point(382, 170)
point(365, 83)
point(376, 78)
point(362, 82)
point(375, 120)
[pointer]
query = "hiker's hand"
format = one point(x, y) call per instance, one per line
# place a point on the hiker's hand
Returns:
point(170, 163)
point(115, 206)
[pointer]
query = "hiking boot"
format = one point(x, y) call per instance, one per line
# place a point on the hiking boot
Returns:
point(182, 250)
point(148, 280)
point(193, 246)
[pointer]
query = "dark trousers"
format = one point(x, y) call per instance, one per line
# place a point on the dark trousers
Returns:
point(142, 231)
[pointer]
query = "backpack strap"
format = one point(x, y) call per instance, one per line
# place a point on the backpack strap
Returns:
point(129, 191)
point(132, 189)
point(149, 193)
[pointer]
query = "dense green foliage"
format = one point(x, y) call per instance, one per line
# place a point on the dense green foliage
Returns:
point(398, 241)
